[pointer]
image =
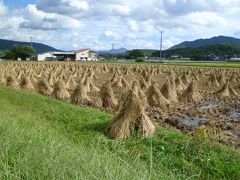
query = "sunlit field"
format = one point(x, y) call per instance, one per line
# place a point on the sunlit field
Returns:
point(68, 120)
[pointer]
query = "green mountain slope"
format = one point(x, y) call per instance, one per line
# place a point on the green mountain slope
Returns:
point(207, 42)
point(40, 48)
point(203, 52)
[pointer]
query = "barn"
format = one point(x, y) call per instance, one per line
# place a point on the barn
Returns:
point(46, 56)
point(234, 59)
point(79, 55)
point(86, 55)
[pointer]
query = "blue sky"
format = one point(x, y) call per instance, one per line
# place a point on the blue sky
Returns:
point(73, 24)
point(18, 3)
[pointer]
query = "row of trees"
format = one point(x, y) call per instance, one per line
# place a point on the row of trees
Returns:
point(204, 52)
point(17, 51)
point(136, 54)
point(224, 51)
point(201, 53)
point(2, 54)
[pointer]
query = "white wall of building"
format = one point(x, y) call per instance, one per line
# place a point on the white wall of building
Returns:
point(82, 56)
point(44, 56)
point(86, 55)
point(234, 59)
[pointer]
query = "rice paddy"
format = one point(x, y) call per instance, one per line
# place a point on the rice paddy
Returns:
point(113, 121)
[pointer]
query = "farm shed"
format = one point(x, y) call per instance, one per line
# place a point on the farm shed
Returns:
point(45, 56)
point(86, 55)
point(79, 55)
point(234, 59)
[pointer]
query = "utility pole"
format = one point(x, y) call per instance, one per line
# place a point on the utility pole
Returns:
point(161, 32)
point(112, 51)
point(31, 38)
point(31, 42)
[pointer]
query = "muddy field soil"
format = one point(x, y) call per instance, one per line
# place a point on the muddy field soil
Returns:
point(217, 117)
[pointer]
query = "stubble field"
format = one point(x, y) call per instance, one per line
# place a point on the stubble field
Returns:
point(148, 109)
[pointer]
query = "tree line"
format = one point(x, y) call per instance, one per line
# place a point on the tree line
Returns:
point(22, 52)
point(225, 51)
point(205, 52)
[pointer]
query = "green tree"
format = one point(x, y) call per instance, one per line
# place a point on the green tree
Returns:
point(135, 54)
point(22, 52)
point(139, 59)
point(2, 53)
point(203, 52)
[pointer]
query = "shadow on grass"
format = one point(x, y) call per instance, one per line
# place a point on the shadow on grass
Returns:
point(98, 127)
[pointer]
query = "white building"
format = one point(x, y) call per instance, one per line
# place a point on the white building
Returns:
point(79, 55)
point(234, 59)
point(46, 56)
point(86, 55)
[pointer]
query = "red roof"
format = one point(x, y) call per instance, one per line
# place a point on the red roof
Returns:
point(82, 50)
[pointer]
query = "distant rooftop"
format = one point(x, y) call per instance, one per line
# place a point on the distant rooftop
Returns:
point(82, 50)
point(64, 53)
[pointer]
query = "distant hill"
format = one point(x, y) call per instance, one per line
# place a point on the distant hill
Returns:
point(148, 52)
point(207, 42)
point(203, 52)
point(40, 48)
point(115, 51)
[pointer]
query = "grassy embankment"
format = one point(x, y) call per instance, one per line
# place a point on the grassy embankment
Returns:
point(43, 138)
point(185, 63)
point(206, 64)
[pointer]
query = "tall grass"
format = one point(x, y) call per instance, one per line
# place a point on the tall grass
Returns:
point(43, 138)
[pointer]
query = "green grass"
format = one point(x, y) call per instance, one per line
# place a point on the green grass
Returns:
point(43, 138)
point(184, 63)
point(220, 64)
point(206, 64)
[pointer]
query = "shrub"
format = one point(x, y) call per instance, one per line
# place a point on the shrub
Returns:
point(139, 60)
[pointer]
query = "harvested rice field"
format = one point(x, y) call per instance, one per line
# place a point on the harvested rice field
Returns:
point(189, 115)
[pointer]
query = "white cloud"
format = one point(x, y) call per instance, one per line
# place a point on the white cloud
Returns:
point(120, 9)
point(202, 19)
point(68, 24)
point(3, 9)
point(167, 44)
point(35, 19)
point(111, 34)
point(81, 5)
point(133, 25)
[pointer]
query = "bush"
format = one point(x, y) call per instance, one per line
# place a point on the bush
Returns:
point(2, 53)
point(22, 52)
point(136, 53)
point(139, 60)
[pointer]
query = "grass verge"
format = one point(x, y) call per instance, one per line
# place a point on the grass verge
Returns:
point(206, 64)
point(220, 64)
point(43, 138)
